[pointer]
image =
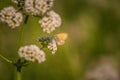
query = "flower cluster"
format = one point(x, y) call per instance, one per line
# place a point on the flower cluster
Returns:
point(52, 46)
point(32, 53)
point(51, 21)
point(11, 17)
point(38, 7)
point(105, 69)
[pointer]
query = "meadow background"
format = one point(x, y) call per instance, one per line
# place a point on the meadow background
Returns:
point(93, 28)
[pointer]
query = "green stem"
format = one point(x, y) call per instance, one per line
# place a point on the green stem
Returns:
point(7, 60)
point(19, 75)
point(26, 19)
point(20, 43)
point(22, 30)
point(21, 35)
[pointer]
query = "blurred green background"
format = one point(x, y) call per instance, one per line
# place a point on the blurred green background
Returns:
point(93, 28)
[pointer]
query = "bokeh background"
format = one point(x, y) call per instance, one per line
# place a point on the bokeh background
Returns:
point(91, 52)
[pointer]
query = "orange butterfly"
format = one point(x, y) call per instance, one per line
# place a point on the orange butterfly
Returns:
point(61, 38)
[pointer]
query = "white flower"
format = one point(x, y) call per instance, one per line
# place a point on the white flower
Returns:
point(32, 53)
point(52, 46)
point(38, 7)
point(106, 69)
point(51, 21)
point(11, 17)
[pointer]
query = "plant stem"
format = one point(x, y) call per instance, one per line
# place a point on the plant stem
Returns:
point(21, 36)
point(22, 30)
point(20, 43)
point(7, 60)
point(26, 19)
point(19, 75)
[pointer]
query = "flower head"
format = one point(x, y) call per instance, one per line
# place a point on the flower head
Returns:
point(52, 46)
point(11, 17)
point(51, 21)
point(38, 7)
point(32, 53)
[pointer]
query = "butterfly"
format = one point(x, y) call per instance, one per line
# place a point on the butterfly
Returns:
point(61, 38)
